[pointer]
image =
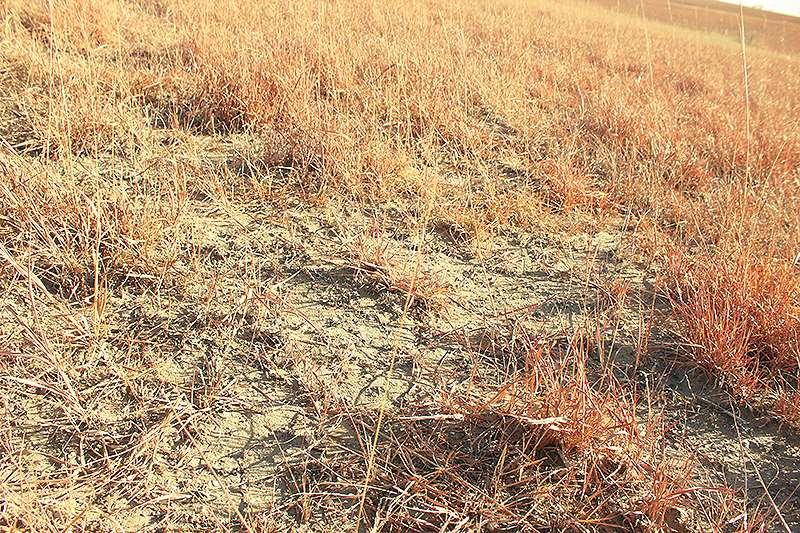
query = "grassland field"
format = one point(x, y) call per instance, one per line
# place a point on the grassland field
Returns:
point(338, 265)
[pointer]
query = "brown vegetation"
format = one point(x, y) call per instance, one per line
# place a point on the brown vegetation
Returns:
point(401, 266)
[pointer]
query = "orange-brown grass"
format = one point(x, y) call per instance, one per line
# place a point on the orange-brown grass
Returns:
point(743, 324)
point(89, 225)
point(764, 28)
point(127, 126)
point(550, 448)
point(373, 255)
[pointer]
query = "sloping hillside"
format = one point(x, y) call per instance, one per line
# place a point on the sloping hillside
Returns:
point(408, 266)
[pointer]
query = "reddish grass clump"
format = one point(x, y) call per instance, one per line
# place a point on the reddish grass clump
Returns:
point(551, 448)
point(742, 322)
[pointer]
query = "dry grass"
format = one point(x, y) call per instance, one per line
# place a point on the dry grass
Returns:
point(743, 323)
point(767, 30)
point(550, 448)
point(372, 255)
point(168, 167)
